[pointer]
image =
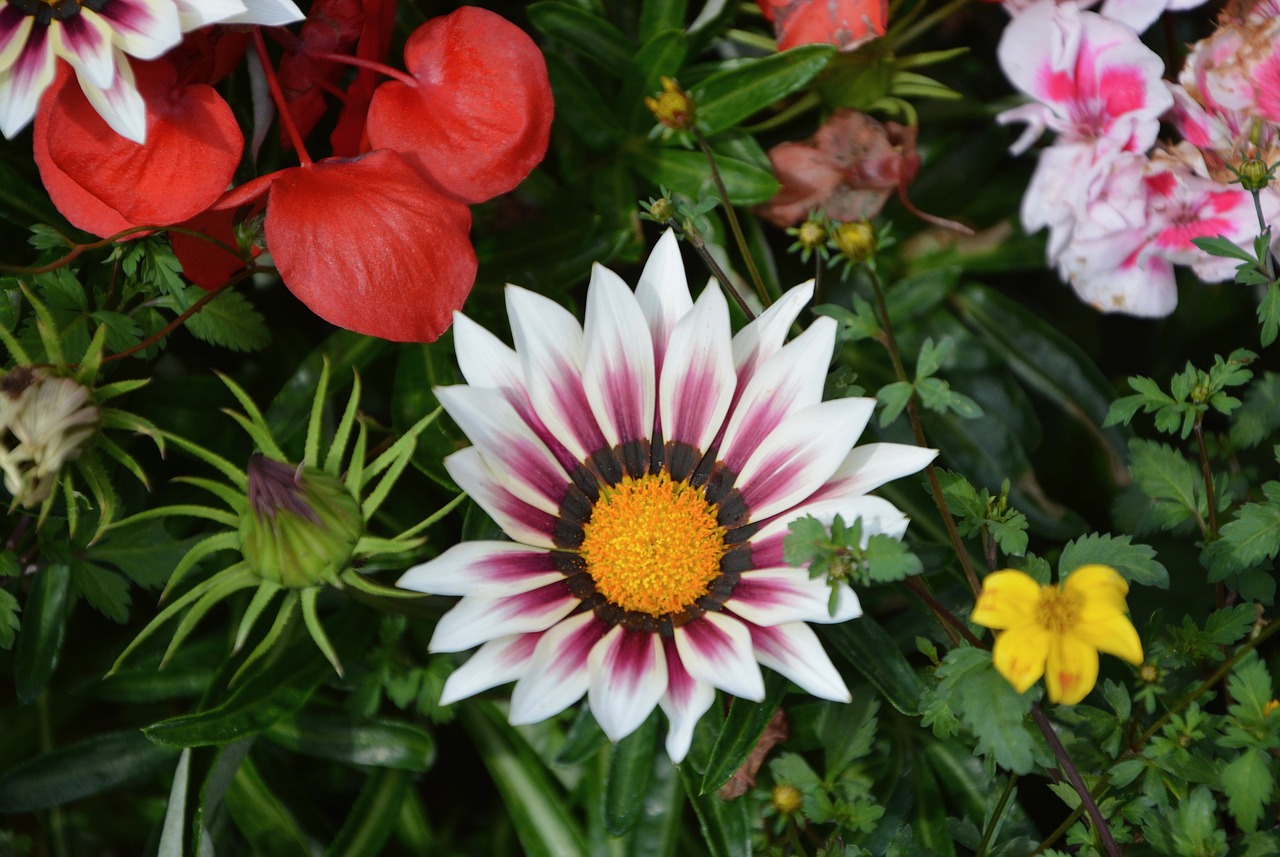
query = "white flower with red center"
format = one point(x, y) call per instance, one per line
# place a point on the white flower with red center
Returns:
point(97, 37)
point(646, 469)
point(1091, 77)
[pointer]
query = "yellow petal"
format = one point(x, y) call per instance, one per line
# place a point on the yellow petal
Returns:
point(1098, 586)
point(1072, 670)
point(1019, 655)
point(1008, 600)
point(1112, 633)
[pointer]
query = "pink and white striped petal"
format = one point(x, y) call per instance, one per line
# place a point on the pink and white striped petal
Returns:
point(800, 455)
point(628, 677)
point(496, 662)
point(878, 516)
point(506, 441)
point(478, 619)
point(84, 41)
point(717, 649)
point(120, 105)
point(684, 703)
point(557, 675)
point(663, 294)
point(522, 522)
point(788, 381)
point(15, 28)
point(485, 360)
point(794, 651)
point(22, 82)
point(143, 28)
point(618, 374)
point(550, 344)
point(491, 568)
point(697, 376)
point(776, 596)
point(764, 335)
point(871, 465)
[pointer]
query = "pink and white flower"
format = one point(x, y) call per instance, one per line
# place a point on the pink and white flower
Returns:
point(97, 37)
point(646, 468)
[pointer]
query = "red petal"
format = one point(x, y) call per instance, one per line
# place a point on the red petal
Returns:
point(204, 263)
point(845, 23)
point(369, 246)
point(192, 149)
point(479, 119)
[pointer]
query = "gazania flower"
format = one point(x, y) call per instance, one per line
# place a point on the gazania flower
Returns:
point(1057, 631)
point(646, 469)
point(97, 37)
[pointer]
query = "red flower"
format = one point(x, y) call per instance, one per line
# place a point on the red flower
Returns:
point(204, 263)
point(479, 118)
point(367, 244)
point(848, 24)
point(103, 182)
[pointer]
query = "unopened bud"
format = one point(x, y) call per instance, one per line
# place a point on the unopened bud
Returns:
point(1149, 673)
point(661, 210)
point(856, 240)
point(45, 421)
point(1254, 175)
point(300, 526)
point(673, 107)
point(786, 799)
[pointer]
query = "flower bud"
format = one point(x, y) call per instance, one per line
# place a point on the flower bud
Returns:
point(673, 107)
point(1254, 175)
point(786, 799)
point(45, 421)
point(856, 240)
point(300, 526)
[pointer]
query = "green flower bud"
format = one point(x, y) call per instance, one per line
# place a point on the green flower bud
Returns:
point(856, 240)
point(1254, 175)
point(301, 524)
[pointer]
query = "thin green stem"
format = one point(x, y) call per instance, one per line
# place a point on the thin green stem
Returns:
point(1068, 767)
point(1264, 229)
point(1207, 473)
point(935, 487)
point(733, 220)
point(928, 21)
point(692, 236)
point(1060, 830)
point(995, 816)
point(57, 819)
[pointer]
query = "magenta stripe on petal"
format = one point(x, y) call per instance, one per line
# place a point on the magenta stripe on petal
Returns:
point(680, 685)
point(571, 400)
point(620, 386)
point(519, 400)
point(80, 37)
point(525, 460)
point(574, 649)
point(778, 475)
point(766, 551)
point(128, 16)
point(631, 658)
point(31, 60)
point(693, 402)
point(11, 18)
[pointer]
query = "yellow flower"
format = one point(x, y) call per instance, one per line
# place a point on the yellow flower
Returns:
point(1057, 631)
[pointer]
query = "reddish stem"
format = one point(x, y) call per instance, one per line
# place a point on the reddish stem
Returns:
point(277, 94)
point(371, 65)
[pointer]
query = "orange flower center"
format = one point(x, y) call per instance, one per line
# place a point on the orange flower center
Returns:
point(1057, 611)
point(653, 545)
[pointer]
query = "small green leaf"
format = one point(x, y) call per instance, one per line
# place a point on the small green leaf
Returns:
point(9, 622)
point(687, 172)
point(1221, 246)
point(231, 321)
point(106, 591)
point(587, 34)
point(1269, 314)
point(989, 706)
point(1249, 538)
point(262, 817)
point(373, 818)
point(376, 743)
point(743, 727)
point(893, 400)
point(727, 97)
point(1136, 563)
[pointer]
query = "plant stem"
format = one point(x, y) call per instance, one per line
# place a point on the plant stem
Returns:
point(692, 236)
point(1060, 830)
point(733, 220)
point(995, 816)
point(1264, 229)
point(1068, 767)
point(950, 622)
point(277, 95)
point(1210, 501)
point(891, 344)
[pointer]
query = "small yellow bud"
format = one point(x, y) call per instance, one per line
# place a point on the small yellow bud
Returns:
point(1254, 175)
point(673, 107)
point(662, 210)
point(1149, 673)
point(811, 235)
point(856, 240)
point(1270, 707)
point(786, 799)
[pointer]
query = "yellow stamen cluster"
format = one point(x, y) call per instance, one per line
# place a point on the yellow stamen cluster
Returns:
point(673, 107)
point(653, 545)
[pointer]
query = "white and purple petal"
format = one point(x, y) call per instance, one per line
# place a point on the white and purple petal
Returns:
point(628, 677)
point(618, 375)
point(22, 82)
point(478, 619)
point(84, 41)
point(120, 105)
point(15, 28)
point(684, 703)
point(698, 379)
point(557, 675)
point(717, 649)
point(776, 596)
point(496, 662)
point(522, 522)
point(142, 28)
point(763, 336)
point(794, 650)
point(663, 294)
point(491, 568)
point(800, 455)
point(871, 465)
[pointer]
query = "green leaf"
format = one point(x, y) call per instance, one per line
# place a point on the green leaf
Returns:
point(587, 34)
point(888, 560)
point(627, 781)
point(687, 172)
point(725, 824)
point(1249, 538)
point(989, 706)
point(1195, 830)
point(537, 808)
point(1136, 563)
point(660, 56)
point(89, 767)
point(726, 98)
point(893, 400)
point(659, 15)
point(1250, 686)
point(580, 108)
point(661, 813)
point(262, 817)
point(43, 626)
point(231, 321)
point(1269, 314)
point(144, 551)
point(1221, 246)
point(865, 645)
point(9, 622)
point(106, 591)
point(1259, 416)
point(1170, 480)
point(356, 741)
point(373, 818)
point(743, 727)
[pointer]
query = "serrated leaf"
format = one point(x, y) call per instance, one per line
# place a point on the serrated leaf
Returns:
point(9, 622)
point(231, 321)
point(1269, 314)
point(106, 591)
point(990, 707)
point(1170, 480)
point(1249, 538)
point(888, 559)
point(893, 399)
point(1136, 563)
point(1250, 686)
